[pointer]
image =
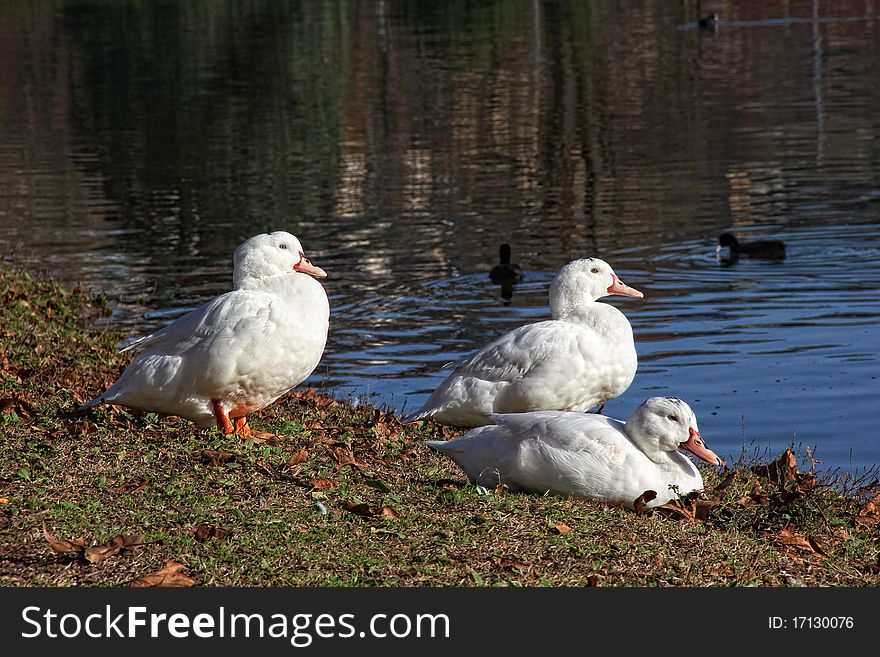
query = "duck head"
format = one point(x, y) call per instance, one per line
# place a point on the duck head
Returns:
point(270, 254)
point(584, 281)
point(667, 424)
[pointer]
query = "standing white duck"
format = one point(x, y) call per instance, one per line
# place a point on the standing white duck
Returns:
point(587, 455)
point(584, 356)
point(238, 353)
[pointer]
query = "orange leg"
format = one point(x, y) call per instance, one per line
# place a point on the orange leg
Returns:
point(223, 422)
point(242, 428)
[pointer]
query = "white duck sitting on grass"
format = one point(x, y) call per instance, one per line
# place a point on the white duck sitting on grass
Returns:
point(586, 455)
point(582, 357)
point(238, 353)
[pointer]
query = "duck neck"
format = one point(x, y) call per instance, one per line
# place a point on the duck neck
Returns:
point(251, 282)
point(676, 465)
point(603, 318)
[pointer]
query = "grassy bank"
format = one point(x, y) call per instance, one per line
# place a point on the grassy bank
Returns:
point(347, 496)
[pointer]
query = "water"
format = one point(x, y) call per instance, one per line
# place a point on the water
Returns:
point(141, 142)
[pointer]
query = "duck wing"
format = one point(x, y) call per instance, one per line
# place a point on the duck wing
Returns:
point(240, 312)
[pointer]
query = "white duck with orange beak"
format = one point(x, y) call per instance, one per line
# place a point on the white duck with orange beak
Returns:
point(238, 353)
point(583, 356)
point(587, 455)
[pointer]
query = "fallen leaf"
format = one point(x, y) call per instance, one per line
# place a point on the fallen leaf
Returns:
point(721, 571)
point(344, 456)
point(791, 539)
point(205, 532)
point(265, 438)
point(729, 479)
point(817, 547)
point(136, 486)
point(298, 458)
point(516, 566)
point(702, 508)
point(675, 509)
point(640, 504)
point(171, 574)
point(388, 512)
point(16, 405)
point(213, 457)
point(72, 546)
point(112, 547)
point(560, 528)
point(869, 514)
point(361, 509)
point(781, 471)
point(322, 484)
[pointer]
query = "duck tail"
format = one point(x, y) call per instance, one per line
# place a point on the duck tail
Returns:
point(418, 415)
point(439, 445)
point(79, 411)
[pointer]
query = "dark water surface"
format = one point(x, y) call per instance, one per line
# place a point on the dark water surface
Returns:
point(402, 142)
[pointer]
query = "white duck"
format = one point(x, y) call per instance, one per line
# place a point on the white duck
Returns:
point(238, 353)
point(587, 455)
point(584, 356)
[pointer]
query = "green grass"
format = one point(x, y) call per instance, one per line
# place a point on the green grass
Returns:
point(297, 511)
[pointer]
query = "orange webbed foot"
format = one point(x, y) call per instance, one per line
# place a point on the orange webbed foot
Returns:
point(242, 428)
point(224, 424)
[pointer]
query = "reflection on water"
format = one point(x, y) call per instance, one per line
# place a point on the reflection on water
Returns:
point(403, 142)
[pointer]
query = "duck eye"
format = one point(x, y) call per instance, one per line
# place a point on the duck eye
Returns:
point(594, 270)
point(282, 246)
point(673, 418)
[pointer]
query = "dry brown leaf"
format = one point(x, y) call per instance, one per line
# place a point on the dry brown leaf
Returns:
point(16, 405)
point(781, 471)
point(265, 438)
point(136, 486)
point(640, 504)
point(870, 513)
point(388, 512)
point(516, 566)
point(213, 457)
point(361, 509)
point(205, 532)
point(409, 455)
point(322, 484)
point(675, 509)
point(560, 528)
point(817, 547)
point(172, 574)
point(72, 546)
point(112, 547)
point(298, 458)
point(729, 479)
point(702, 508)
point(344, 455)
point(791, 539)
point(721, 571)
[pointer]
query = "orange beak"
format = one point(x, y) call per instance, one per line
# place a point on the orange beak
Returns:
point(619, 287)
point(695, 445)
point(306, 267)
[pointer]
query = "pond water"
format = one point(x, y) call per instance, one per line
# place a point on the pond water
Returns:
point(140, 143)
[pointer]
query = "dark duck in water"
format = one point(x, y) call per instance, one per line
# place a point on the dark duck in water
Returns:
point(504, 271)
point(765, 249)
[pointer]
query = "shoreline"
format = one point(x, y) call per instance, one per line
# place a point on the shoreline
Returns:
point(347, 496)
